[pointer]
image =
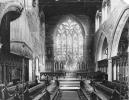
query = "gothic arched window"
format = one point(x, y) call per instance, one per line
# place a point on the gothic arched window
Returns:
point(68, 41)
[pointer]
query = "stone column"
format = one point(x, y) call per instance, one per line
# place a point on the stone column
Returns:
point(114, 70)
point(128, 60)
point(5, 73)
point(128, 67)
point(54, 66)
point(23, 70)
point(96, 66)
point(30, 70)
point(109, 69)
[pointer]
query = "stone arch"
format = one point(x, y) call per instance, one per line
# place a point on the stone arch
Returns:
point(85, 21)
point(65, 18)
point(99, 45)
point(118, 31)
point(104, 49)
point(123, 42)
point(76, 19)
point(10, 6)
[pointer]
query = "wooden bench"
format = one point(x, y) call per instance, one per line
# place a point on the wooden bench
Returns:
point(54, 95)
point(11, 90)
point(87, 95)
point(40, 96)
point(122, 88)
point(46, 94)
point(36, 89)
point(108, 92)
point(103, 88)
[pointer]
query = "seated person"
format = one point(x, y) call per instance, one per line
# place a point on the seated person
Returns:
point(36, 79)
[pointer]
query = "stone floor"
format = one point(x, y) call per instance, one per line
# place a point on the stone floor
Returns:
point(69, 95)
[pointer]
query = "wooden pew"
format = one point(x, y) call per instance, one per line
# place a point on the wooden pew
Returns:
point(49, 93)
point(55, 94)
point(103, 88)
point(34, 91)
point(109, 92)
point(40, 96)
point(121, 88)
point(11, 90)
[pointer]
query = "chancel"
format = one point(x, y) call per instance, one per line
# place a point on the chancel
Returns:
point(64, 50)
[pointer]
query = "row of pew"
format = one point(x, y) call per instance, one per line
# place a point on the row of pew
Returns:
point(29, 91)
point(86, 89)
point(104, 90)
point(17, 91)
point(114, 91)
point(49, 93)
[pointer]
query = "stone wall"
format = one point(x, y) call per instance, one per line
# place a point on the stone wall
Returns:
point(31, 31)
point(88, 34)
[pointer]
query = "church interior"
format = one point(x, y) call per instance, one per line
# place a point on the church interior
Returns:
point(64, 50)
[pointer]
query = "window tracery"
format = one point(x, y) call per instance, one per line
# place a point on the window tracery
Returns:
point(68, 41)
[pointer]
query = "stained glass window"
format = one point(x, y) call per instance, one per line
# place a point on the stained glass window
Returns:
point(68, 41)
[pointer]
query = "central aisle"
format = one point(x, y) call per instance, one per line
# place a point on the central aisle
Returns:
point(69, 95)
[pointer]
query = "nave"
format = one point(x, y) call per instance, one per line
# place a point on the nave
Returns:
point(64, 49)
